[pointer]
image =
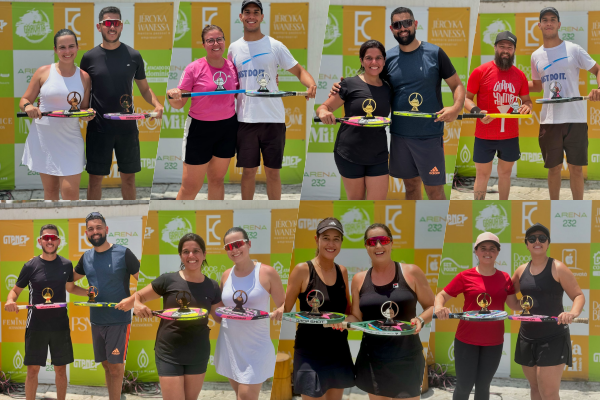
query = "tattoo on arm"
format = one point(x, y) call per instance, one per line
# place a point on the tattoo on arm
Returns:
point(479, 194)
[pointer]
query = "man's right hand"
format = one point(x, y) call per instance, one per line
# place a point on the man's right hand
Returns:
point(11, 306)
point(335, 89)
point(486, 119)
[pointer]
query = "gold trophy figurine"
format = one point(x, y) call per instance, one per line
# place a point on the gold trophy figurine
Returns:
point(415, 100)
point(313, 300)
point(184, 300)
point(92, 294)
point(125, 102)
point(484, 303)
point(74, 99)
point(368, 107)
point(526, 303)
point(239, 298)
point(47, 294)
point(389, 310)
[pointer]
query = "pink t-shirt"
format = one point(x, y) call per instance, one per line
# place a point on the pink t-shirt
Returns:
point(198, 77)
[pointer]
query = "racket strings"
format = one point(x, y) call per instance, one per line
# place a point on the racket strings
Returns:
point(10, 387)
point(132, 385)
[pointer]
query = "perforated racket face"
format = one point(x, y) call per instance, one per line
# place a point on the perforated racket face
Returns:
point(256, 93)
point(375, 122)
point(528, 318)
point(401, 328)
point(175, 314)
point(304, 317)
point(415, 114)
point(52, 305)
point(71, 114)
point(128, 117)
point(494, 315)
point(95, 304)
point(559, 100)
point(249, 314)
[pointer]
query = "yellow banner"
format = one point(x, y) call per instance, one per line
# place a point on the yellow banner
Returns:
point(78, 17)
point(153, 28)
point(449, 29)
point(289, 24)
point(204, 14)
point(362, 23)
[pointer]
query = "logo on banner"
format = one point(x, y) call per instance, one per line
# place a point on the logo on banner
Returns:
point(208, 13)
point(143, 277)
point(528, 208)
point(18, 360)
point(391, 214)
point(10, 281)
point(451, 352)
point(212, 239)
point(63, 239)
point(452, 131)
point(174, 230)
point(283, 272)
point(596, 266)
point(450, 267)
point(520, 259)
point(34, 26)
point(530, 26)
point(291, 161)
point(15, 240)
point(597, 357)
point(214, 271)
point(532, 157)
point(148, 233)
point(321, 134)
point(492, 218)
point(143, 359)
point(332, 30)
point(182, 26)
point(465, 155)
point(293, 118)
point(448, 29)
point(577, 361)
point(493, 29)
point(360, 20)
point(355, 222)
point(80, 323)
point(90, 365)
point(71, 14)
point(569, 257)
point(310, 224)
point(2, 25)
point(457, 219)
point(153, 23)
point(433, 262)
point(397, 186)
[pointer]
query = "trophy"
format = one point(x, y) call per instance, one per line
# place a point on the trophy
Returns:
point(74, 99)
point(368, 107)
point(219, 78)
point(126, 102)
point(263, 80)
point(516, 105)
point(239, 300)
point(183, 299)
point(555, 88)
point(415, 100)
point(313, 300)
point(484, 303)
point(389, 310)
point(47, 294)
point(92, 294)
point(526, 303)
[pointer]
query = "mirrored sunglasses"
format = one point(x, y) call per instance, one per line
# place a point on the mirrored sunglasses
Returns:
point(111, 22)
point(372, 241)
point(235, 245)
point(49, 237)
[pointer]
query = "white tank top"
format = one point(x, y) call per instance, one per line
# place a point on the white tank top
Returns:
point(244, 351)
point(55, 146)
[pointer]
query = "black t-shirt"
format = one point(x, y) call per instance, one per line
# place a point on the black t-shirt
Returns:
point(179, 342)
point(112, 73)
point(362, 145)
point(39, 274)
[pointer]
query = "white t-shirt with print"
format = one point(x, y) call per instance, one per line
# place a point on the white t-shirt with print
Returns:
point(251, 59)
point(561, 64)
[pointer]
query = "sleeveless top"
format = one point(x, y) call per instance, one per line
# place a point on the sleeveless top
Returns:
point(329, 341)
point(371, 299)
point(54, 146)
point(244, 350)
point(547, 295)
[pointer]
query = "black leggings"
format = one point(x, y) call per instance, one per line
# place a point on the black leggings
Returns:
point(475, 365)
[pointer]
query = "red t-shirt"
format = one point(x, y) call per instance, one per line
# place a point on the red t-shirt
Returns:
point(494, 88)
point(471, 283)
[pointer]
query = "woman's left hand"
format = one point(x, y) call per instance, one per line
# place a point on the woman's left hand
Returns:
point(566, 318)
point(277, 314)
point(89, 118)
point(417, 323)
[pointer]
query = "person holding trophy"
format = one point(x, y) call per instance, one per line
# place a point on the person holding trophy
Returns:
point(323, 368)
point(210, 133)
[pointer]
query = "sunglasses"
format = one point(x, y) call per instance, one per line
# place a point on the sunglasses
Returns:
point(111, 22)
point(235, 245)
point(48, 238)
point(542, 238)
point(405, 23)
point(372, 241)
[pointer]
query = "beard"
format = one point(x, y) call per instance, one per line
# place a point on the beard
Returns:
point(97, 242)
point(50, 252)
point(504, 63)
point(405, 41)
point(111, 41)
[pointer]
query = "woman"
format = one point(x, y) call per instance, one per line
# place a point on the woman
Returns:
point(182, 348)
point(210, 133)
point(478, 345)
point(54, 146)
point(390, 366)
point(543, 349)
point(245, 352)
point(323, 368)
point(361, 153)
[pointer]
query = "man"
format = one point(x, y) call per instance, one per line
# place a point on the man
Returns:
point(498, 85)
point(563, 127)
point(46, 327)
point(108, 267)
point(113, 66)
point(262, 120)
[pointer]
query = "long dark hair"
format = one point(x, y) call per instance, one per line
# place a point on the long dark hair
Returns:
point(369, 44)
point(192, 237)
point(319, 234)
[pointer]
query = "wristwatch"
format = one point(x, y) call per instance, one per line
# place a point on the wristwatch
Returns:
point(422, 321)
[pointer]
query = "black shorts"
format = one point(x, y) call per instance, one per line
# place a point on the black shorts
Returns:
point(165, 368)
point(412, 157)
point(110, 343)
point(314, 376)
point(484, 150)
point(544, 353)
point(37, 343)
point(99, 152)
point(350, 170)
point(265, 138)
point(204, 139)
point(570, 139)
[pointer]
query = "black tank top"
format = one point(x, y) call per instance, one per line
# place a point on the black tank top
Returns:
point(547, 295)
point(315, 338)
point(371, 299)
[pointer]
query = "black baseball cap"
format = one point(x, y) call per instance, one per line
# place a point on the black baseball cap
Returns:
point(95, 215)
point(537, 227)
point(549, 9)
point(506, 35)
point(257, 2)
point(329, 224)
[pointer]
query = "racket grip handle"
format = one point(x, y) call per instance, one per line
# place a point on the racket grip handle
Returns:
point(315, 119)
point(344, 325)
point(183, 95)
point(581, 320)
point(22, 307)
point(22, 115)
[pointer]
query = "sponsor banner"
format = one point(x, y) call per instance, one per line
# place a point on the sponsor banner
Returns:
point(289, 24)
point(362, 23)
point(153, 26)
point(449, 29)
point(78, 17)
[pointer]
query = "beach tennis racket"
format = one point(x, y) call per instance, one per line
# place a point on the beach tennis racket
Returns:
point(63, 114)
point(43, 306)
point(246, 314)
point(181, 314)
point(561, 100)
point(461, 116)
point(476, 316)
point(543, 318)
point(379, 327)
point(129, 117)
point(306, 317)
point(375, 122)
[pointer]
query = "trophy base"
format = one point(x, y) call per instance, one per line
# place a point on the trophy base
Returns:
point(484, 311)
point(525, 313)
point(263, 90)
point(389, 322)
point(555, 97)
point(238, 309)
point(219, 89)
point(414, 109)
